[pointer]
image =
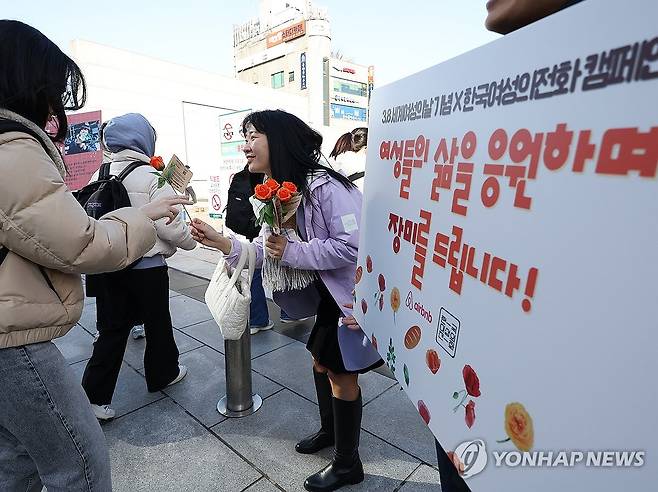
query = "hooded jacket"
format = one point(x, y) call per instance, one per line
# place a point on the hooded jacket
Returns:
point(131, 138)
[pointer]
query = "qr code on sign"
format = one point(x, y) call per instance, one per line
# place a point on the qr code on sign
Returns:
point(447, 334)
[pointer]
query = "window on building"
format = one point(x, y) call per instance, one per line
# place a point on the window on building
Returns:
point(277, 80)
point(291, 76)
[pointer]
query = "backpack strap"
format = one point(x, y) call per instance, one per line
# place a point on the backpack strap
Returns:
point(104, 171)
point(130, 168)
point(355, 176)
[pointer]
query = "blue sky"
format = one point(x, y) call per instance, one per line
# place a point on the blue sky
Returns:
point(398, 37)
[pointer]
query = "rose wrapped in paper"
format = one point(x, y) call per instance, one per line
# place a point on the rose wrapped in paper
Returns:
point(275, 206)
point(165, 174)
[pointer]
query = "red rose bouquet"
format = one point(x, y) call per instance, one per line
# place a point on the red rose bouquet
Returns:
point(275, 203)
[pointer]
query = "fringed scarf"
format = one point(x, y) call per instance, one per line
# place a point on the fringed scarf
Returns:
point(279, 278)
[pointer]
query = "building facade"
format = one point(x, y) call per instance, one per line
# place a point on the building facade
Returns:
point(183, 104)
point(288, 49)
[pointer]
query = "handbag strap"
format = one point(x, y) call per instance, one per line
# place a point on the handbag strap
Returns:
point(244, 255)
point(252, 260)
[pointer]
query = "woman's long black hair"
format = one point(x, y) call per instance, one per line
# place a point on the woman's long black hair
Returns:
point(294, 147)
point(37, 79)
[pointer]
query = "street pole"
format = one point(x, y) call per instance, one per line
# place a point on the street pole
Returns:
point(239, 400)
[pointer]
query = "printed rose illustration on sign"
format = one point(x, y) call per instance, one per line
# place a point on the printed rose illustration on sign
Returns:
point(470, 414)
point(433, 361)
point(518, 426)
point(359, 274)
point(424, 412)
point(395, 301)
point(471, 381)
point(472, 385)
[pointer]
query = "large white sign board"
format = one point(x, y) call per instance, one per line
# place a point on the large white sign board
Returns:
point(508, 255)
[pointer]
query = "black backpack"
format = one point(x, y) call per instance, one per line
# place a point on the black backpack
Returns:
point(106, 194)
point(240, 215)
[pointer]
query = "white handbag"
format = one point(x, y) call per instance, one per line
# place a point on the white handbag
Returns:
point(228, 295)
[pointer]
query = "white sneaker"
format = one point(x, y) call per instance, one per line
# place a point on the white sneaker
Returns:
point(182, 372)
point(103, 412)
point(255, 329)
point(138, 332)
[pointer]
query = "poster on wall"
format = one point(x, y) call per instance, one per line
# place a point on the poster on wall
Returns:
point(232, 161)
point(507, 261)
point(82, 148)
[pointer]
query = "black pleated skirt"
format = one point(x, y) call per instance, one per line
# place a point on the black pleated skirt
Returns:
point(323, 342)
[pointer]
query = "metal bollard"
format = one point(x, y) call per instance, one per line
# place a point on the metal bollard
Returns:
point(239, 400)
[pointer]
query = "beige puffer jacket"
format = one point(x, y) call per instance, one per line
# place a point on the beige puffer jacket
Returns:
point(41, 223)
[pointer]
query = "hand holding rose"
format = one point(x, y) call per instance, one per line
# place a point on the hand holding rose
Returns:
point(205, 234)
point(275, 246)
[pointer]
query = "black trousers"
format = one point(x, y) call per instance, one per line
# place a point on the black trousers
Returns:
point(122, 298)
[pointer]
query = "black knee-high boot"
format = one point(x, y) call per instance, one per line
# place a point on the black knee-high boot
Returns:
point(325, 436)
point(346, 467)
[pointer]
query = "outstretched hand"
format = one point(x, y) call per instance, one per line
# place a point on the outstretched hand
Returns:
point(456, 461)
point(350, 321)
point(165, 207)
point(207, 235)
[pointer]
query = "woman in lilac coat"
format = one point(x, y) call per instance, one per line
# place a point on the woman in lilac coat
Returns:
point(314, 274)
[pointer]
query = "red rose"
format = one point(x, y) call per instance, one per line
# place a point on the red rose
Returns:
point(471, 381)
point(283, 194)
point(272, 184)
point(157, 163)
point(262, 192)
point(470, 414)
point(289, 186)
